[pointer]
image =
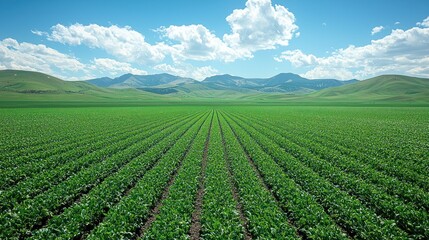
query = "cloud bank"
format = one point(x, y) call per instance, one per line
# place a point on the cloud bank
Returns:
point(402, 51)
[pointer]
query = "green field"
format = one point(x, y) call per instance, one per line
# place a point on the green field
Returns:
point(214, 172)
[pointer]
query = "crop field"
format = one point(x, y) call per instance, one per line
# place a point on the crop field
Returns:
point(214, 172)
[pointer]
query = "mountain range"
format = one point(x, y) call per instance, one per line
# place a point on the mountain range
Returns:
point(16, 85)
point(168, 84)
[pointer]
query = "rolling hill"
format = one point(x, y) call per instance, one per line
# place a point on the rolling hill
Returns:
point(27, 85)
point(164, 88)
point(395, 88)
point(34, 82)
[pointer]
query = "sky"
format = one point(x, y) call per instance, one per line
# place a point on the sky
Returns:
point(342, 39)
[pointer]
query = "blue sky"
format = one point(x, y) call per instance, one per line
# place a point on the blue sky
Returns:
point(254, 38)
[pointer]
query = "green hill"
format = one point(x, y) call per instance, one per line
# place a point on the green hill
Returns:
point(24, 86)
point(34, 82)
point(16, 85)
point(395, 88)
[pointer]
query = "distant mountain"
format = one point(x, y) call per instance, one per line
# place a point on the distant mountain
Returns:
point(141, 81)
point(284, 82)
point(385, 87)
point(102, 82)
point(33, 86)
point(290, 82)
point(167, 84)
point(228, 81)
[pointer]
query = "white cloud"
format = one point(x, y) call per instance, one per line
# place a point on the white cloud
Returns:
point(196, 42)
point(201, 73)
point(376, 30)
point(170, 69)
point(402, 51)
point(122, 42)
point(328, 73)
point(397, 23)
point(297, 58)
point(114, 68)
point(39, 33)
point(424, 23)
point(187, 70)
point(260, 26)
point(32, 57)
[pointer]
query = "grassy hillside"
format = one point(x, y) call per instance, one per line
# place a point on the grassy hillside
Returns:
point(33, 86)
point(34, 82)
point(19, 88)
point(393, 88)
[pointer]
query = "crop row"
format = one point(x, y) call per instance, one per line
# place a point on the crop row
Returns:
point(408, 217)
point(49, 134)
point(219, 217)
point(175, 213)
point(84, 215)
point(392, 155)
point(67, 153)
point(124, 220)
point(35, 130)
point(33, 212)
point(347, 211)
point(364, 145)
point(18, 159)
point(405, 191)
point(392, 135)
point(266, 219)
point(51, 129)
point(306, 214)
point(46, 180)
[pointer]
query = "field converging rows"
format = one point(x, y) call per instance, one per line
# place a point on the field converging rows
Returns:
point(214, 173)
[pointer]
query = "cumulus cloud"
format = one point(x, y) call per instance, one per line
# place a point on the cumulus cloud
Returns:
point(114, 68)
point(260, 25)
point(196, 42)
point(320, 72)
point(297, 58)
point(170, 69)
point(40, 58)
point(122, 42)
point(187, 70)
point(36, 57)
point(424, 23)
point(402, 51)
point(376, 30)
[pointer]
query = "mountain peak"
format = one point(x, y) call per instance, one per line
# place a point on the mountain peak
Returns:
point(287, 75)
point(165, 75)
point(282, 82)
point(221, 78)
